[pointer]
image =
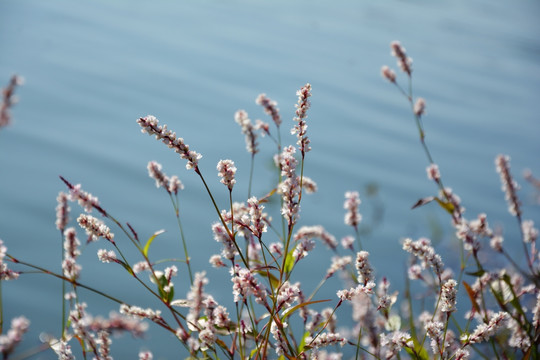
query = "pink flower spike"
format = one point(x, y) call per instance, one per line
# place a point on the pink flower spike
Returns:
point(227, 171)
point(301, 114)
point(509, 185)
point(270, 107)
point(150, 125)
point(433, 172)
point(419, 107)
point(388, 74)
point(404, 62)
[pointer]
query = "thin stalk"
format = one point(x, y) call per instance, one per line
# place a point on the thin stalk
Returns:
point(63, 329)
point(176, 206)
point(251, 174)
point(221, 218)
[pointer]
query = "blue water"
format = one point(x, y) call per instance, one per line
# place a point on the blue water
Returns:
point(93, 68)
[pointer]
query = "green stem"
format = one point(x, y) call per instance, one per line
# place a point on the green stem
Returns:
point(176, 206)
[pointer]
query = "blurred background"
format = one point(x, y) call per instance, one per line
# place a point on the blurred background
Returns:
point(92, 68)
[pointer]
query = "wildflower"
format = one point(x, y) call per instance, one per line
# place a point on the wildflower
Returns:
point(301, 109)
point(145, 355)
point(70, 268)
point(216, 261)
point(536, 313)
point(448, 296)
point(196, 296)
point(415, 272)
point(461, 354)
point(141, 266)
point(62, 211)
point(9, 99)
point(530, 233)
point(5, 273)
point(104, 341)
point(352, 201)
point(263, 126)
point(175, 184)
point(150, 126)
point(71, 243)
point(302, 248)
point(95, 228)
point(13, 337)
point(317, 231)
point(221, 235)
point(276, 248)
point(227, 170)
point(496, 243)
point(422, 250)
point(338, 263)
point(394, 342)
point(509, 185)
point(280, 345)
point(309, 185)
point(241, 117)
point(85, 200)
point(326, 339)
point(433, 172)
point(245, 284)
point(484, 331)
point(106, 256)
point(347, 242)
point(388, 74)
point(360, 289)
point(404, 62)
point(62, 349)
point(258, 226)
point(288, 293)
point(155, 172)
point(138, 312)
point(519, 337)
point(480, 226)
point(434, 331)
point(270, 107)
point(419, 107)
point(364, 268)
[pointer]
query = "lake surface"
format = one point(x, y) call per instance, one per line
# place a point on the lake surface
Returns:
point(93, 68)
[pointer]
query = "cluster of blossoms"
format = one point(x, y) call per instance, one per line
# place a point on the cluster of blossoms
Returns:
point(509, 185)
point(226, 171)
point(9, 99)
point(170, 184)
point(70, 266)
point(86, 200)
point(289, 188)
point(301, 114)
point(241, 117)
point(5, 273)
point(270, 107)
point(150, 125)
point(423, 250)
point(95, 228)
point(352, 201)
point(13, 337)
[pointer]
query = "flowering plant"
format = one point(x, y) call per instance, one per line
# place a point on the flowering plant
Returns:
point(273, 315)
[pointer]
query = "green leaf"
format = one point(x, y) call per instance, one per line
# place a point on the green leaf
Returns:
point(273, 279)
point(292, 310)
point(289, 262)
point(303, 342)
point(150, 240)
point(446, 205)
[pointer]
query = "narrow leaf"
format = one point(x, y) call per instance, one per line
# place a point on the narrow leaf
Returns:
point(150, 240)
point(292, 310)
point(470, 292)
